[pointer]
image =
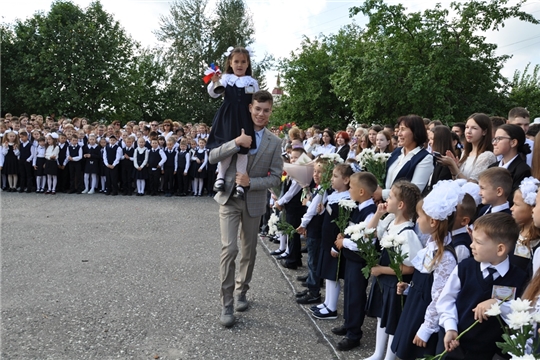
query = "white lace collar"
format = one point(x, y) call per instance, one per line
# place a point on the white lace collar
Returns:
point(240, 82)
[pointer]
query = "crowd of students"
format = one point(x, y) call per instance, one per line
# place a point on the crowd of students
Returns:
point(470, 239)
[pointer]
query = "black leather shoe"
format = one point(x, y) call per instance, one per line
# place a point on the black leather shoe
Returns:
point(347, 344)
point(301, 293)
point(304, 284)
point(238, 195)
point(218, 187)
point(277, 252)
point(282, 256)
point(309, 299)
point(289, 265)
point(275, 241)
point(340, 330)
point(302, 277)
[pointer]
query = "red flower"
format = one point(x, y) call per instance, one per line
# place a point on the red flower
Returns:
point(281, 128)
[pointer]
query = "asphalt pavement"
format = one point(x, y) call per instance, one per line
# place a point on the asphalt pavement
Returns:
point(103, 277)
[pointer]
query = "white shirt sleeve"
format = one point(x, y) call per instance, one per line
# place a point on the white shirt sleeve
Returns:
point(446, 305)
point(293, 190)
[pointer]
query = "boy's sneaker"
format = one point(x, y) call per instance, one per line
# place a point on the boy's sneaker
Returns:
point(329, 315)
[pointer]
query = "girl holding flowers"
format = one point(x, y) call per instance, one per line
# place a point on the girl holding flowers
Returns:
point(384, 302)
point(416, 333)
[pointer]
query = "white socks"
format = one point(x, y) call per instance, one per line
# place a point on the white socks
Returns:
point(140, 186)
point(380, 343)
point(282, 242)
point(223, 165)
point(103, 182)
point(332, 294)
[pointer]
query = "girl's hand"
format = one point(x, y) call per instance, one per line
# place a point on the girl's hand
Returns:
point(333, 253)
point(419, 342)
point(450, 342)
point(376, 270)
point(301, 230)
point(339, 242)
point(35, 167)
point(320, 208)
point(381, 209)
point(53, 157)
point(200, 170)
point(198, 161)
point(401, 287)
point(215, 77)
point(480, 309)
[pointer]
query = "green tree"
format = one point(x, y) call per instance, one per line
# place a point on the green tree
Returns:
point(69, 61)
point(195, 40)
point(426, 63)
point(526, 91)
point(309, 98)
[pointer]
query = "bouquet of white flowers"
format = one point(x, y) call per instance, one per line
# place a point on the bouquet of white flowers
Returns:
point(374, 163)
point(346, 206)
point(363, 237)
point(394, 246)
point(518, 342)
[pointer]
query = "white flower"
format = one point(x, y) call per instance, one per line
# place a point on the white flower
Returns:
point(334, 157)
point(369, 231)
point(347, 204)
point(387, 241)
point(520, 305)
point(536, 317)
point(529, 188)
point(494, 310)
point(356, 236)
point(399, 240)
point(523, 357)
point(518, 319)
point(349, 230)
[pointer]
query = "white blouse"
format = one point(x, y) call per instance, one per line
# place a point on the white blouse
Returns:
point(324, 149)
point(412, 246)
point(473, 166)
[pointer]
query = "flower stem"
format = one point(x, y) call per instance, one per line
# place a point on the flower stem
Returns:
point(459, 337)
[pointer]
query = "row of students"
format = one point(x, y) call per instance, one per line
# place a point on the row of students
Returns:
point(441, 289)
point(107, 164)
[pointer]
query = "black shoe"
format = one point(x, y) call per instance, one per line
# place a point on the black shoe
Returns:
point(347, 344)
point(277, 252)
point(219, 187)
point(304, 284)
point(289, 264)
point(301, 293)
point(275, 241)
point(315, 308)
point(282, 256)
point(340, 330)
point(330, 315)
point(238, 194)
point(302, 277)
point(309, 299)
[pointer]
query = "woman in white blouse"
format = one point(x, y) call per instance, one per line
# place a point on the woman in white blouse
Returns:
point(478, 152)
point(410, 161)
point(327, 146)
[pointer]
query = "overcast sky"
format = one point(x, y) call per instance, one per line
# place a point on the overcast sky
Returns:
point(280, 25)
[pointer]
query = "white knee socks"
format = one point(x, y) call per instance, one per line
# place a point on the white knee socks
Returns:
point(140, 186)
point(332, 295)
point(380, 343)
point(223, 165)
point(282, 242)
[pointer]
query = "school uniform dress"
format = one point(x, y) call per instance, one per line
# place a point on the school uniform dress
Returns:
point(126, 167)
point(11, 160)
point(328, 265)
point(294, 210)
point(420, 315)
point(182, 167)
point(202, 155)
point(383, 301)
point(469, 284)
point(169, 168)
point(26, 171)
point(51, 165)
point(92, 163)
point(140, 160)
point(355, 283)
point(39, 161)
point(233, 115)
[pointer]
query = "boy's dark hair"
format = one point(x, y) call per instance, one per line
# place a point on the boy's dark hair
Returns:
point(263, 96)
point(533, 130)
point(23, 133)
point(366, 180)
point(497, 121)
point(467, 207)
point(299, 150)
point(519, 112)
point(460, 125)
point(41, 138)
point(410, 194)
point(499, 227)
point(498, 177)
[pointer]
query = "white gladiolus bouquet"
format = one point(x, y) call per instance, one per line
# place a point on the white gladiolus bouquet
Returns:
point(363, 237)
point(374, 163)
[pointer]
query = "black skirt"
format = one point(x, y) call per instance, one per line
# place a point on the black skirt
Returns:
point(11, 163)
point(51, 167)
point(40, 162)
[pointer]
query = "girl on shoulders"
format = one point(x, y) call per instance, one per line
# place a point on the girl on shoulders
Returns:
point(233, 117)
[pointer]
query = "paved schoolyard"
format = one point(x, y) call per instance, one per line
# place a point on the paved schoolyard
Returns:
point(101, 277)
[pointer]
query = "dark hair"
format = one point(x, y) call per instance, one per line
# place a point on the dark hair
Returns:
point(344, 169)
point(459, 146)
point(467, 207)
point(442, 140)
point(299, 149)
point(344, 135)
point(485, 143)
point(262, 96)
point(331, 135)
point(416, 124)
point(519, 112)
point(367, 180)
point(409, 193)
point(533, 130)
point(460, 125)
point(498, 177)
point(500, 227)
point(497, 121)
point(515, 132)
point(236, 51)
